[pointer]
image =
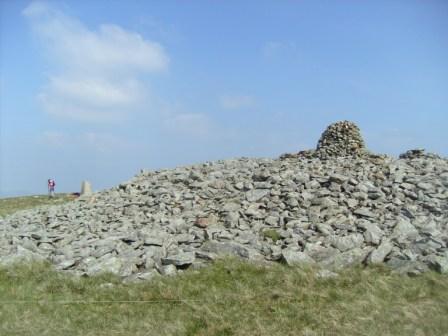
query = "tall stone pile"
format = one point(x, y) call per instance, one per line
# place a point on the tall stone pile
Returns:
point(332, 212)
point(342, 138)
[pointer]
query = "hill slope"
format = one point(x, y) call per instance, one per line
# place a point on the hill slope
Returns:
point(333, 212)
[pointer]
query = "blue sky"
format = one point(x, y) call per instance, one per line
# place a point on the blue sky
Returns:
point(97, 90)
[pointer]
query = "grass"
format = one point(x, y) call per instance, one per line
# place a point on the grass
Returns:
point(271, 233)
point(230, 297)
point(13, 204)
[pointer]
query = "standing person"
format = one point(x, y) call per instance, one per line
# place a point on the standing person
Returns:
point(51, 185)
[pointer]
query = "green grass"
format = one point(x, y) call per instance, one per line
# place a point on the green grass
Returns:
point(230, 297)
point(13, 204)
point(271, 233)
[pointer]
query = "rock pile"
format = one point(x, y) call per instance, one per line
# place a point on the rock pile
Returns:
point(342, 138)
point(334, 213)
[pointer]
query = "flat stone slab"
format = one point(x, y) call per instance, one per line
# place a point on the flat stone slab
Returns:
point(180, 259)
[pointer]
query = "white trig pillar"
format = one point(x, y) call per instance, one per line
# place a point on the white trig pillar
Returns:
point(86, 188)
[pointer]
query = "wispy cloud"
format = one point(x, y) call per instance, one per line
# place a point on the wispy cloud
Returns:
point(97, 73)
point(236, 102)
point(91, 99)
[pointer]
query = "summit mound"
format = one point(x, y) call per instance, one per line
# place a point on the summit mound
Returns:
point(335, 206)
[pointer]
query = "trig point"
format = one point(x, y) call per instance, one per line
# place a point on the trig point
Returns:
point(86, 188)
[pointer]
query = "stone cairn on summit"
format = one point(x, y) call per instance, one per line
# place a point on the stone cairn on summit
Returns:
point(332, 207)
point(342, 138)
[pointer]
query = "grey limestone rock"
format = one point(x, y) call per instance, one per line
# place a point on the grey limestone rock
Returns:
point(180, 259)
point(292, 257)
point(112, 265)
point(440, 263)
point(380, 253)
point(21, 254)
point(350, 257)
point(256, 194)
point(347, 243)
point(318, 252)
point(364, 212)
point(168, 270)
point(404, 230)
point(372, 233)
point(406, 266)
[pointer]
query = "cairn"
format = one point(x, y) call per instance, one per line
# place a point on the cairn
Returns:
point(341, 139)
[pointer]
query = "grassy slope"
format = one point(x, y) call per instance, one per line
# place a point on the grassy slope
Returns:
point(13, 204)
point(230, 297)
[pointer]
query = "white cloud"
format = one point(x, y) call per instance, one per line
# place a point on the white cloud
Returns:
point(91, 99)
point(96, 92)
point(36, 8)
point(98, 71)
point(236, 102)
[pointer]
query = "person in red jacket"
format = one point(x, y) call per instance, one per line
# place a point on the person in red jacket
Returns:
point(51, 185)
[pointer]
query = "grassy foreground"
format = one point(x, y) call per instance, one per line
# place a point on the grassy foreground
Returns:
point(13, 204)
point(230, 297)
